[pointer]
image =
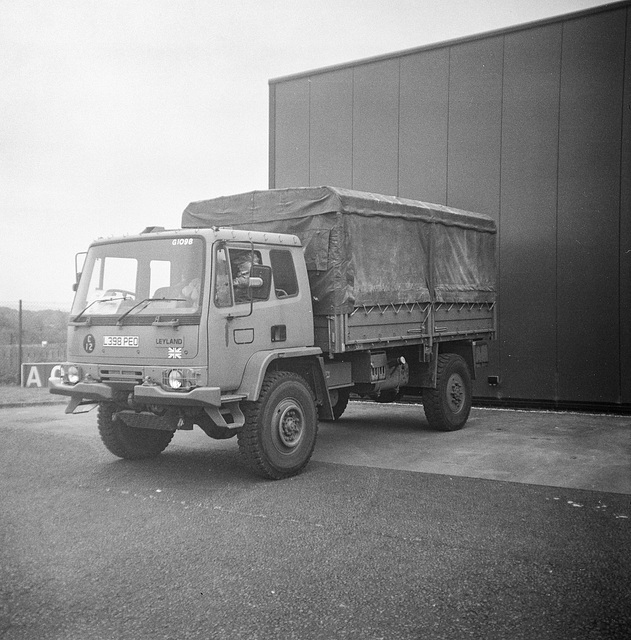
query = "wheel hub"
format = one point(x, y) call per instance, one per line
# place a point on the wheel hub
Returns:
point(290, 423)
point(455, 393)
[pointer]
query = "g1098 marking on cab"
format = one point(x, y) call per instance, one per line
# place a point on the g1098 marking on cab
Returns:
point(182, 241)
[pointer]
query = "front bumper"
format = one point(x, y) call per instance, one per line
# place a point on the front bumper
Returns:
point(154, 394)
point(84, 393)
point(96, 391)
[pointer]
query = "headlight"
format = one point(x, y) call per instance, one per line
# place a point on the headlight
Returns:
point(175, 379)
point(181, 379)
point(74, 374)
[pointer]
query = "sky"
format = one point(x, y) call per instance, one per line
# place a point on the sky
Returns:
point(115, 114)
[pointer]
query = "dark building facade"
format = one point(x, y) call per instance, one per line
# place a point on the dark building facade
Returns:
point(530, 125)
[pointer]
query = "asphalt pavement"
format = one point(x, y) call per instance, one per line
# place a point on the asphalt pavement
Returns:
point(515, 527)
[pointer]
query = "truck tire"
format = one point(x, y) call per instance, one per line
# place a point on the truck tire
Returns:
point(390, 395)
point(280, 428)
point(447, 406)
point(339, 401)
point(130, 443)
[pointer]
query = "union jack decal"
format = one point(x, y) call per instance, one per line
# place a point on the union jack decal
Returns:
point(175, 352)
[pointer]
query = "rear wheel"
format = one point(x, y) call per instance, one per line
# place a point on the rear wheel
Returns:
point(280, 428)
point(131, 443)
point(447, 406)
point(390, 395)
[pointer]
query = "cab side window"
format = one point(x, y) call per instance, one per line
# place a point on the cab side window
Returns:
point(284, 273)
point(234, 269)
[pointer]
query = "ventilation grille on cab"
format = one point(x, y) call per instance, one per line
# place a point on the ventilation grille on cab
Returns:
point(117, 374)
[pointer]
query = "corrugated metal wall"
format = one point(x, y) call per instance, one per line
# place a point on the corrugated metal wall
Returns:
point(531, 126)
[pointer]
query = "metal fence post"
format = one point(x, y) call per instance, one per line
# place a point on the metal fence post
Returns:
point(20, 344)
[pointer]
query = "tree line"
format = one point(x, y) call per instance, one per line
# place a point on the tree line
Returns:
point(46, 325)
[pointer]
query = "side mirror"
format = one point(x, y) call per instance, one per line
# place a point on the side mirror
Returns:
point(260, 281)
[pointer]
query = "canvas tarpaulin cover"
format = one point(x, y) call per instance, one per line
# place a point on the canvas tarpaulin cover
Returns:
point(365, 249)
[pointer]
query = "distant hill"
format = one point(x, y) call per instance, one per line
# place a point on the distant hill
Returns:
point(37, 326)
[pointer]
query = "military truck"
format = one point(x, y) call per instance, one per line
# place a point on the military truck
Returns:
point(267, 310)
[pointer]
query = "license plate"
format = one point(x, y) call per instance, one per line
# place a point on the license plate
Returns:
point(120, 341)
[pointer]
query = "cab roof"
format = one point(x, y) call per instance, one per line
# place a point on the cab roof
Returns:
point(212, 234)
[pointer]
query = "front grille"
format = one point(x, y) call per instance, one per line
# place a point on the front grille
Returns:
point(118, 374)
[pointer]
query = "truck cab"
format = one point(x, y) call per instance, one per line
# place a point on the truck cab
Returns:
point(174, 328)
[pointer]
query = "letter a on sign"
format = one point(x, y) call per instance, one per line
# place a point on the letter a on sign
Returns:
point(33, 378)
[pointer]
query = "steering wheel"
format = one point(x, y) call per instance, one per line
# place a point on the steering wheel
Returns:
point(119, 293)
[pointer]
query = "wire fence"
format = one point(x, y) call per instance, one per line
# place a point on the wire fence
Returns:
point(30, 332)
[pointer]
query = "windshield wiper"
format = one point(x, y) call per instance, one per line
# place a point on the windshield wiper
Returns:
point(76, 319)
point(146, 301)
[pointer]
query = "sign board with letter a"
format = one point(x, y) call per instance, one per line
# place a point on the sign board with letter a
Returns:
point(36, 374)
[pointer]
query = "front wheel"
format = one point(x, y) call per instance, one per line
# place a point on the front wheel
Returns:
point(131, 443)
point(280, 428)
point(447, 406)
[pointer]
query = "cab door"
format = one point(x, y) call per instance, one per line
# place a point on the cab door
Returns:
point(241, 317)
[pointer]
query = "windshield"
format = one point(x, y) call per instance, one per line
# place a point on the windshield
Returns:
point(164, 274)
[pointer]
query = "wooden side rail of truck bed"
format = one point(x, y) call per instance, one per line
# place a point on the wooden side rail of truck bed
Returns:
point(369, 327)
